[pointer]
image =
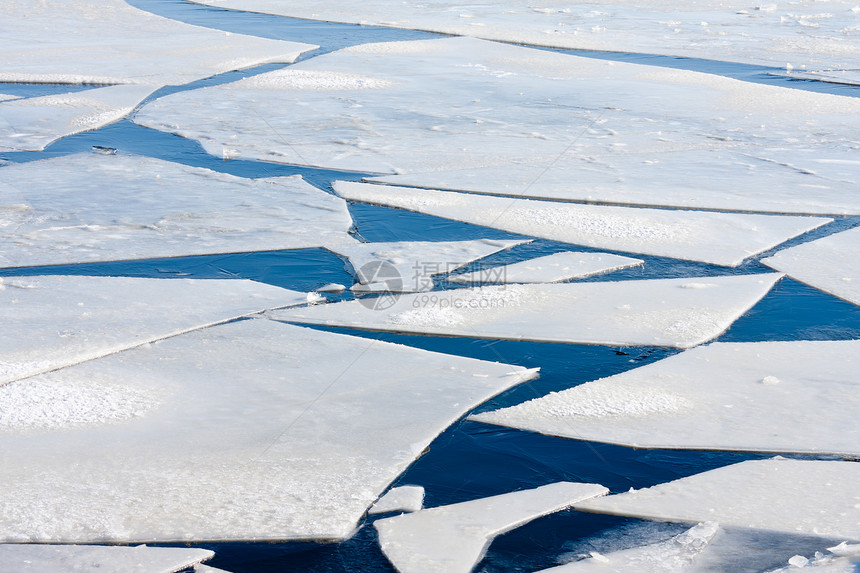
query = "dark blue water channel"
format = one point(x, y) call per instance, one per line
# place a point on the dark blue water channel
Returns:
point(469, 460)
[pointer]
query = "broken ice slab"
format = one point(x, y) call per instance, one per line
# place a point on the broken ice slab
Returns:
point(844, 77)
point(68, 41)
point(53, 321)
point(365, 108)
point(664, 312)
point(788, 397)
point(718, 238)
point(91, 207)
point(808, 181)
point(406, 498)
point(549, 269)
point(453, 538)
point(766, 34)
point(30, 124)
point(792, 496)
point(199, 568)
point(828, 264)
point(82, 558)
point(409, 266)
point(260, 431)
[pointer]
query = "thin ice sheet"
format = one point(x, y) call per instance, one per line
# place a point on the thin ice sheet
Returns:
point(90, 207)
point(549, 269)
point(83, 559)
point(262, 431)
point(664, 312)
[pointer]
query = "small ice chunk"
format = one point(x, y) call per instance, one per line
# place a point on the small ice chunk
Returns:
point(549, 269)
point(845, 550)
point(657, 312)
point(770, 380)
point(798, 561)
point(314, 297)
point(828, 264)
point(406, 498)
point(73, 558)
point(453, 538)
point(791, 496)
point(332, 287)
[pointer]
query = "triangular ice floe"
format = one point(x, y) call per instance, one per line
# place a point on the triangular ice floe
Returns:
point(549, 269)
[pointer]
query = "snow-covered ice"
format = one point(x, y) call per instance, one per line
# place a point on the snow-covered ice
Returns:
point(91, 207)
point(453, 538)
point(110, 42)
point(54, 321)
point(718, 238)
point(792, 496)
point(549, 269)
point(526, 111)
point(791, 397)
point(30, 124)
point(406, 498)
point(409, 266)
point(663, 312)
point(265, 431)
point(828, 264)
point(814, 33)
point(85, 559)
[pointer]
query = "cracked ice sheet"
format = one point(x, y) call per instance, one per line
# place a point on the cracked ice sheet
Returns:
point(71, 559)
point(408, 266)
point(91, 207)
point(663, 312)
point(549, 269)
point(717, 238)
point(792, 496)
point(30, 124)
point(817, 33)
point(265, 431)
point(811, 180)
point(54, 321)
point(789, 397)
point(365, 108)
point(453, 538)
point(106, 42)
point(828, 264)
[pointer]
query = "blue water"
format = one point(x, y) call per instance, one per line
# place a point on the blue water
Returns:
point(469, 460)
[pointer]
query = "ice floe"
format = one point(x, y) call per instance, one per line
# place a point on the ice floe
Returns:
point(406, 498)
point(266, 431)
point(532, 113)
point(54, 321)
point(91, 207)
point(30, 124)
point(409, 266)
point(663, 312)
point(453, 538)
point(549, 269)
point(829, 264)
point(717, 238)
point(792, 496)
point(75, 41)
point(802, 33)
point(83, 558)
point(791, 397)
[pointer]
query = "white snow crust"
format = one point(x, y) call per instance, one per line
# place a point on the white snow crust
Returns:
point(54, 321)
point(828, 264)
point(409, 266)
point(453, 538)
point(549, 269)
point(266, 432)
point(30, 124)
point(533, 114)
point(718, 238)
point(792, 496)
point(815, 33)
point(91, 207)
point(661, 312)
point(86, 559)
point(109, 42)
point(406, 498)
point(791, 397)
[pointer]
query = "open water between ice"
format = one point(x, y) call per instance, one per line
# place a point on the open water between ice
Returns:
point(470, 460)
